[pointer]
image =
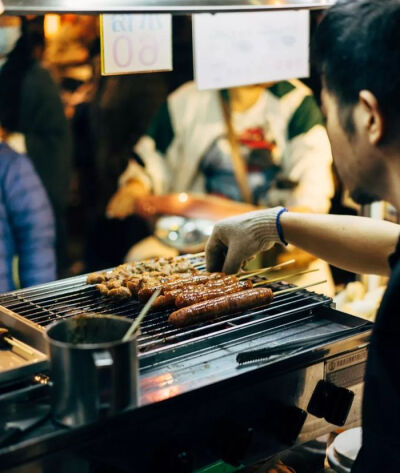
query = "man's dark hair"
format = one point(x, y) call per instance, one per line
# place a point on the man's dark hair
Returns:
point(357, 47)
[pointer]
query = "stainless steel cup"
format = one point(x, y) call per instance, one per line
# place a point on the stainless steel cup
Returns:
point(94, 373)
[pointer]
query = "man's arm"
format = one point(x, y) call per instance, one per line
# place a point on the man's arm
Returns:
point(357, 244)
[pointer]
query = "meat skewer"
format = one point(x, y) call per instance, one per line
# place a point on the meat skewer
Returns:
point(165, 266)
point(184, 296)
point(135, 283)
point(189, 288)
point(228, 304)
point(146, 292)
point(123, 283)
point(189, 295)
point(220, 306)
point(190, 298)
point(130, 286)
point(173, 289)
point(120, 292)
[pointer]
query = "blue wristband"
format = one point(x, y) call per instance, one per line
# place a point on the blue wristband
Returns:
point(279, 226)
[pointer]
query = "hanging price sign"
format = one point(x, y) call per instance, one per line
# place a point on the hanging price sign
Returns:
point(234, 49)
point(135, 43)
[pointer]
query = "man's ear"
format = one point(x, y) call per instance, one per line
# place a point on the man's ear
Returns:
point(371, 117)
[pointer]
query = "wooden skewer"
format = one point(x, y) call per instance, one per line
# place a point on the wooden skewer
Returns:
point(249, 274)
point(195, 255)
point(136, 324)
point(19, 347)
point(269, 268)
point(282, 278)
point(265, 270)
point(298, 288)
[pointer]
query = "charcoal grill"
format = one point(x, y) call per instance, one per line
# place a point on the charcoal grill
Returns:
point(197, 403)
point(45, 304)
point(39, 306)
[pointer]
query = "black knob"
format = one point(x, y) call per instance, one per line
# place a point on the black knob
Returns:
point(284, 421)
point(293, 419)
point(331, 402)
point(231, 441)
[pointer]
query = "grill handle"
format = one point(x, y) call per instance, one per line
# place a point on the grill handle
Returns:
point(300, 343)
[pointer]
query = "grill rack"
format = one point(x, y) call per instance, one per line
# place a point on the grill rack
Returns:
point(44, 304)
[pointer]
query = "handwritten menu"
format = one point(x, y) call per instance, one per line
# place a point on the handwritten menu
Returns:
point(233, 49)
point(135, 43)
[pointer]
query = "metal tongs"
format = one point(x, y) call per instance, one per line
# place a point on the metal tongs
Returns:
point(293, 346)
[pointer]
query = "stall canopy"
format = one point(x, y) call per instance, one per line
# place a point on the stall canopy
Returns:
point(18, 7)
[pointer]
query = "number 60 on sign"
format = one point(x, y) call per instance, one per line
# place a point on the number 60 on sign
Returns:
point(135, 43)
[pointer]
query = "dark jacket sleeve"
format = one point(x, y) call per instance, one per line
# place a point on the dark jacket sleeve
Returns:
point(47, 134)
point(32, 222)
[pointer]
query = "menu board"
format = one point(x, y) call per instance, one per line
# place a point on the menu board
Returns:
point(234, 49)
point(135, 43)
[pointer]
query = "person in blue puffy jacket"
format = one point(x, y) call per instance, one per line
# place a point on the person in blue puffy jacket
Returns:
point(26, 223)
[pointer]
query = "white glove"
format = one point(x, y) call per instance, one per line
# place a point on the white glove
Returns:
point(236, 239)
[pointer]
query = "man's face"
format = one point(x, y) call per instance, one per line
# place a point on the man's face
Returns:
point(356, 160)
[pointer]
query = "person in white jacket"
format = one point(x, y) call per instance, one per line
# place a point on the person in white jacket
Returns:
point(281, 137)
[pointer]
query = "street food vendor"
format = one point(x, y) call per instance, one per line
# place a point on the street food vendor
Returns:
point(357, 51)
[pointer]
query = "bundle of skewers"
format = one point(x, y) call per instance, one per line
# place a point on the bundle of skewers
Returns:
point(196, 294)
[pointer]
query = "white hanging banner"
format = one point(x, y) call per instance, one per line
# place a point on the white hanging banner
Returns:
point(234, 49)
point(135, 43)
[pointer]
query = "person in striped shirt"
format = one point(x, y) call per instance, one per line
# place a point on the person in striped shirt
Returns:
point(26, 223)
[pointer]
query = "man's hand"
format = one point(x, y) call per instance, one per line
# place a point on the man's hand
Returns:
point(122, 203)
point(236, 239)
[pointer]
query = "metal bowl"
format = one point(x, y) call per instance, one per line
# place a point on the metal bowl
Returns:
point(184, 234)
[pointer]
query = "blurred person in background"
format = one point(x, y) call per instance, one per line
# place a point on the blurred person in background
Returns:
point(32, 117)
point(189, 147)
point(26, 223)
point(68, 47)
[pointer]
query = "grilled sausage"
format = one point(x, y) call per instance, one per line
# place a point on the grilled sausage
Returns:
point(205, 294)
point(145, 293)
point(162, 301)
point(220, 306)
point(211, 284)
point(137, 282)
point(188, 295)
point(223, 281)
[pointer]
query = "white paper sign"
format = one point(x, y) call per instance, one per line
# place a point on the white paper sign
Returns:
point(1, 7)
point(233, 49)
point(136, 43)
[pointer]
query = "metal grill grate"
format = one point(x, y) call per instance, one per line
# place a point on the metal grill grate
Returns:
point(44, 304)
